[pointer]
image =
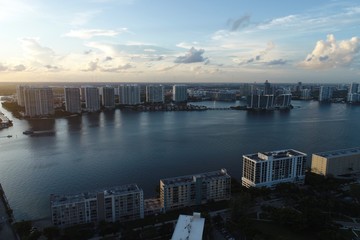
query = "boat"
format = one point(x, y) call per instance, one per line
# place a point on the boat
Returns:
point(9, 136)
point(28, 132)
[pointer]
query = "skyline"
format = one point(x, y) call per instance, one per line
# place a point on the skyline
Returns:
point(143, 41)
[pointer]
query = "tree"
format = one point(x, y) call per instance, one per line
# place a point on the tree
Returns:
point(51, 232)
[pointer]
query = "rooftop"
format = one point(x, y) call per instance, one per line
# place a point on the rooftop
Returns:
point(264, 156)
point(118, 190)
point(190, 178)
point(189, 227)
point(339, 153)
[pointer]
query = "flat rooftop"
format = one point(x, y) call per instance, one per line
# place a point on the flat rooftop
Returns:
point(189, 227)
point(190, 178)
point(339, 153)
point(118, 190)
point(264, 156)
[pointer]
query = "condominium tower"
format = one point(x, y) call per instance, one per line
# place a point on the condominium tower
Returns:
point(155, 94)
point(129, 94)
point(20, 89)
point(92, 99)
point(267, 169)
point(72, 100)
point(38, 101)
point(122, 203)
point(325, 93)
point(179, 192)
point(179, 93)
point(108, 97)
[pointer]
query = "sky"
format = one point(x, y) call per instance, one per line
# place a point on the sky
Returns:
point(180, 41)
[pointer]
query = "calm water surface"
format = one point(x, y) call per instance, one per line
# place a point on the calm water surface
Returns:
point(115, 148)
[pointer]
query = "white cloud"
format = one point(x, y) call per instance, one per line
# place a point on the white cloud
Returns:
point(90, 33)
point(192, 56)
point(332, 54)
point(35, 53)
point(14, 8)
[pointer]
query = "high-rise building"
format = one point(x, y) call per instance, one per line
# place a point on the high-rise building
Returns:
point(92, 99)
point(337, 162)
point(179, 93)
point(283, 101)
point(354, 88)
point(155, 94)
point(305, 94)
point(267, 88)
point(245, 90)
point(267, 169)
point(38, 101)
point(129, 94)
point(122, 203)
point(108, 97)
point(20, 89)
point(179, 192)
point(72, 100)
point(260, 102)
point(325, 93)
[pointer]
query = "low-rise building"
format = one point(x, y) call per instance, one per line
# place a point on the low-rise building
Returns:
point(179, 192)
point(122, 203)
point(189, 227)
point(266, 169)
point(337, 162)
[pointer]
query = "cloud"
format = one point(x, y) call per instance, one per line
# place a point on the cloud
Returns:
point(51, 67)
point(36, 53)
point(277, 62)
point(332, 54)
point(118, 68)
point(239, 23)
point(260, 55)
point(168, 68)
point(3, 68)
point(192, 56)
point(92, 66)
point(19, 68)
point(82, 18)
point(108, 58)
point(90, 33)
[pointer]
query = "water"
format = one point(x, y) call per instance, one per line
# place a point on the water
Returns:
point(115, 148)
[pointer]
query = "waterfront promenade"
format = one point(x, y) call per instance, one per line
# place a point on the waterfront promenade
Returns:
point(6, 229)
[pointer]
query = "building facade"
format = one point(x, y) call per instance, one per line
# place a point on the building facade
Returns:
point(108, 97)
point(179, 192)
point(283, 101)
point(155, 94)
point(267, 169)
point(123, 203)
point(337, 162)
point(20, 97)
point(129, 94)
point(179, 93)
point(38, 102)
point(260, 102)
point(325, 93)
point(72, 100)
point(92, 99)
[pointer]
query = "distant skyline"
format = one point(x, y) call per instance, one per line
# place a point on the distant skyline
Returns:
point(180, 41)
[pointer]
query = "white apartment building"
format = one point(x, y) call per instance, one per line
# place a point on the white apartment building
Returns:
point(179, 93)
point(72, 100)
point(20, 91)
point(129, 94)
point(108, 97)
point(179, 192)
point(122, 203)
point(155, 94)
point(38, 101)
point(92, 99)
point(267, 169)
